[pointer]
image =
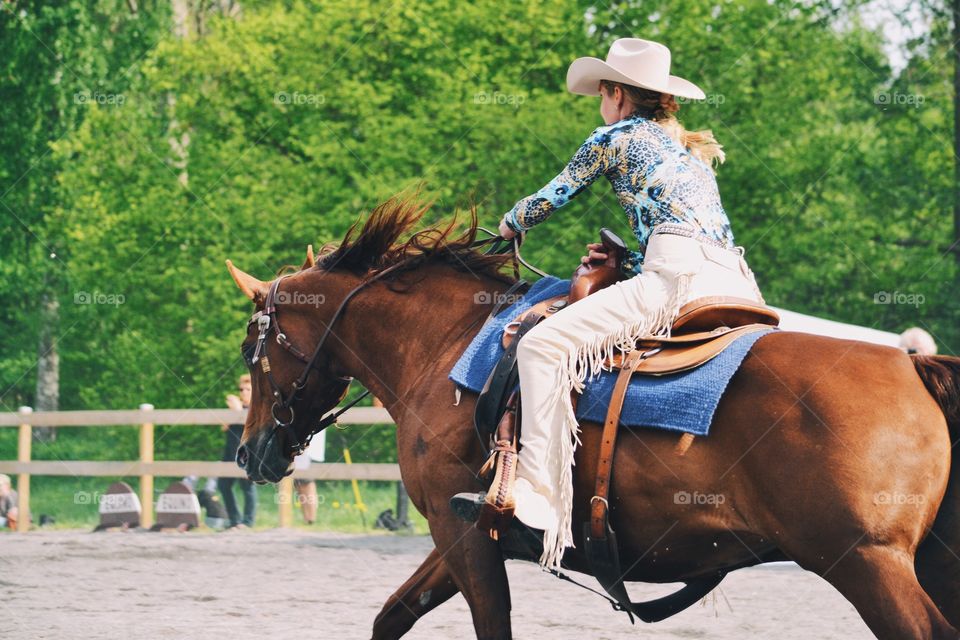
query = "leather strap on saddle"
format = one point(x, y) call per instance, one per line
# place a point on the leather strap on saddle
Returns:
point(504, 378)
point(491, 404)
point(600, 541)
point(599, 504)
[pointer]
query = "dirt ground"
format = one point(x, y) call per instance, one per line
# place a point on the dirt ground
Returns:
point(297, 584)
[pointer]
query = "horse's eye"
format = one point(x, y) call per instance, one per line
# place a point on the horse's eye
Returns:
point(247, 351)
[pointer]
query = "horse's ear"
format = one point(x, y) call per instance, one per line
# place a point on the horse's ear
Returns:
point(250, 286)
point(310, 261)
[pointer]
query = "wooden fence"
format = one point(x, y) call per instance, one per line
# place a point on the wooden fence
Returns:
point(146, 467)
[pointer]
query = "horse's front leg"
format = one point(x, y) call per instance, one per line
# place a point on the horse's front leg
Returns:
point(476, 565)
point(438, 463)
point(430, 586)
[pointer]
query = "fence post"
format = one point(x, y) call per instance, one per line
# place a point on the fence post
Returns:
point(146, 480)
point(403, 507)
point(24, 443)
point(285, 498)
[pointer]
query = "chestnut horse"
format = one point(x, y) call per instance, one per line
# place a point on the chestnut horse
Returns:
point(832, 453)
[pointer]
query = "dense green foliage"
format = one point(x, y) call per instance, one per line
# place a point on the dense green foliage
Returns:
point(279, 126)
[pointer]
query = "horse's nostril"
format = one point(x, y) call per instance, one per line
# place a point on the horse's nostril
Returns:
point(243, 456)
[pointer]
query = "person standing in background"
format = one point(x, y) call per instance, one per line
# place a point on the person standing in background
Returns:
point(306, 490)
point(8, 503)
point(234, 433)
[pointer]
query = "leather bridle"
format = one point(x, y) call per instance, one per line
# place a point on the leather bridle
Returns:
point(267, 322)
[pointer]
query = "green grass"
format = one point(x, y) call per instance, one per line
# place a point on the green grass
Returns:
point(72, 503)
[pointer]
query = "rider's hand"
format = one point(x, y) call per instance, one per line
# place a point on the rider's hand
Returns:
point(506, 232)
point(595, 253)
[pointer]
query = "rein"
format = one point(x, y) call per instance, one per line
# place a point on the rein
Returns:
point(499, 244)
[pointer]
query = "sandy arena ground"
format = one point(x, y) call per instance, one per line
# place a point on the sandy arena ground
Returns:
point(294, 584)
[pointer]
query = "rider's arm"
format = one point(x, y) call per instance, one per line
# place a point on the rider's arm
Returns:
point(594, 158)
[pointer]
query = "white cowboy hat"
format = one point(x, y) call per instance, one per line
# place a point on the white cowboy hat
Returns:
point(639, 63)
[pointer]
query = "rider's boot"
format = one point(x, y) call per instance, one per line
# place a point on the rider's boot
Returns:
point(493, 511)
point(467, 505)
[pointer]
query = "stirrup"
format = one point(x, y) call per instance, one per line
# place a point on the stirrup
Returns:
point(467, 506)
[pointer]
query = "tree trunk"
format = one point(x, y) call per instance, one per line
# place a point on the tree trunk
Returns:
point(48, 363)
point(181, 14)
point(179, 140)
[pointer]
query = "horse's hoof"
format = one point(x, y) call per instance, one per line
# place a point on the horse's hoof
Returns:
point(467, 505)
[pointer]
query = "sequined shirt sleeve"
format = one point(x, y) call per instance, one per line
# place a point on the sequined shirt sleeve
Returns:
point(656, 180)
point(593, 159)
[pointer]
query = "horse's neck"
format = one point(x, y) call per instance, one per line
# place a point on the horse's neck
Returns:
point(396, 343)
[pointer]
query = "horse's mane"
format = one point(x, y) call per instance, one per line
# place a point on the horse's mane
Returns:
point(377, 245)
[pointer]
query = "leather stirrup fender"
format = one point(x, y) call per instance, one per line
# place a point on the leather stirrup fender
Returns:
point(599, 539)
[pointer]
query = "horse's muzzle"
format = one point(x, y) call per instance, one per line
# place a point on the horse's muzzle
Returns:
point(263, 459)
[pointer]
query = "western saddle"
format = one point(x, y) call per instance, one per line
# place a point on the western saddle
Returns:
point(704, 327)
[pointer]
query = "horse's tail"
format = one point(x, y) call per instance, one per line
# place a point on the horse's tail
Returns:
point(938, 557)
point(941, 377)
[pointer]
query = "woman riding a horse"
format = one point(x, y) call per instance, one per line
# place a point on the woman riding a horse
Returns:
point(663, 176)
point(845, 465)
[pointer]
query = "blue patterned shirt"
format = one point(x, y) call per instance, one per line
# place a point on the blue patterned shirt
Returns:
point(655, 179)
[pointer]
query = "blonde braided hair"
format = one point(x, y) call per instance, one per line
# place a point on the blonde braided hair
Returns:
point(661, 108)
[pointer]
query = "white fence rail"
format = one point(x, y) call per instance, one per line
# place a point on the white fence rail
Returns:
point(145, 467)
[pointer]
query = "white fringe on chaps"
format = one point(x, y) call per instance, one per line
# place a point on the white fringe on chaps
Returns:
point(557, 356)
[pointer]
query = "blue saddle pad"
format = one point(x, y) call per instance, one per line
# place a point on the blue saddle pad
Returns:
point(683, 402)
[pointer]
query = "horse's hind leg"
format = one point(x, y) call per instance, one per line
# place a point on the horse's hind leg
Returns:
point(938, 563)
point(430, 586)
point(881, 583)
point(938, 568)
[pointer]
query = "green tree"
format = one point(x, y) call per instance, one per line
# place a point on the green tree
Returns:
point(56, 61)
